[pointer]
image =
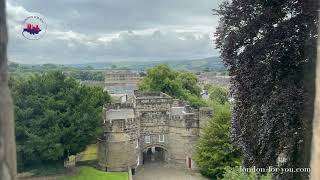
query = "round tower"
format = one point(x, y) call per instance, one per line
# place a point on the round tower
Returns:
point(119, 148)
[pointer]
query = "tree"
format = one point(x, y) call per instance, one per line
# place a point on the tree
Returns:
point(55, 117)
point(12, 66)
point(189, 82)
point(235, 173)
point(87, 75)
point(113, 66)
point(179, 84)
point(88, 67)
point(215, 150)
point(269, 48)
point(218, 94)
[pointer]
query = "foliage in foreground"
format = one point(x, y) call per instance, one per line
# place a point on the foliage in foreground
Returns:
point(270, 48)
point(215, 150)
point(235, 173)
point(179, 84)
point(55, 117)
point(89, 173)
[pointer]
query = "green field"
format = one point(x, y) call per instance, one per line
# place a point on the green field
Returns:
point(89, 173)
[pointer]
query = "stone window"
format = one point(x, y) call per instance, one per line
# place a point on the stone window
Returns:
point(147, 139)
point(161, 138)
point(137, 146)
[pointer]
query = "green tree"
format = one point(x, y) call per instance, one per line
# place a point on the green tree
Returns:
point(55, 116)
point(218, 94)
point(179, 84)
point(235, 173)
point(189, 82)
point(161, 78)
point(215, 150)
point(88, 68)
point(113, 66)
point(87, 75)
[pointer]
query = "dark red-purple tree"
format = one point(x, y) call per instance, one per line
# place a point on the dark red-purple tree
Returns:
point(269, 47)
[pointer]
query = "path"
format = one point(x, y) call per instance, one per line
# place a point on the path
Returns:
point(162, 171)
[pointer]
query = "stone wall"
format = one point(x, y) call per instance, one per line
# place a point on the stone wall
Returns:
point(121, 82)
point(182, 144)
point(175, 131)
point(102, 154)
point(7, 137)
point(205, 115)
point(315, 160)
point(121, 154)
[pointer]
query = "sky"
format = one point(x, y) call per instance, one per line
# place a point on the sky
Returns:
point(87, 31)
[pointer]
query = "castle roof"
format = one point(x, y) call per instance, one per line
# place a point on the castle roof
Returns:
point(178, 111)
point(119, 114)
point(151, 95)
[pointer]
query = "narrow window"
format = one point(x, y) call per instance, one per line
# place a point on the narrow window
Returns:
point(147, 139)
point(161, 138)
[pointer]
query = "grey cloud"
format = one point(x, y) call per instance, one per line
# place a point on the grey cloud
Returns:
point(114, 15)
point(127, 46)
point(111, 30)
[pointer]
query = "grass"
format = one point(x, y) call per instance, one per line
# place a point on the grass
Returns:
point(89, 173)
point(90, 153)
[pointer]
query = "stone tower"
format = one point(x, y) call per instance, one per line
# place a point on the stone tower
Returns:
point(118, 147)
point(153, 127)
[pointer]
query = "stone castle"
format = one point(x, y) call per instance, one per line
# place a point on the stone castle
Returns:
point(121, 81)
point(150, 127)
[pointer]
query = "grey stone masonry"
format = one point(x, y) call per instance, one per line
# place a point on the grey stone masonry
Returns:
point(151, 126)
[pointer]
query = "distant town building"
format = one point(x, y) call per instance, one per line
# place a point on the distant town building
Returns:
point(92, 83)
point(212, 79)
point(150, 127)
point(205, 94)
point(121, 81)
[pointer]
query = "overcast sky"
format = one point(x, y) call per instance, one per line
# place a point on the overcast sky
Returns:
point(80, 31)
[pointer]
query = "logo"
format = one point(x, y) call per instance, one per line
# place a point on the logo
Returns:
point(34, 28)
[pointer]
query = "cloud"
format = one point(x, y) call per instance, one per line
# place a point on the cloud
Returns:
point(91, 31)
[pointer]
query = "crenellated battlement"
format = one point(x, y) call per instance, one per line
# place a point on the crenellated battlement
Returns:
point(152, 119)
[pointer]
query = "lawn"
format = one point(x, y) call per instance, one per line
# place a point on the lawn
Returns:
point(90, 153)
point(89, 173)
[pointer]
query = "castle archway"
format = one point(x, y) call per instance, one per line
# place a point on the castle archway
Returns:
point(155, 154)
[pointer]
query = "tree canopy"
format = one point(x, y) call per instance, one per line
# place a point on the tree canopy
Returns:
point(215, 150)
point(218, 94)
point(55, 116)
point(269, 48)
point(179, 84)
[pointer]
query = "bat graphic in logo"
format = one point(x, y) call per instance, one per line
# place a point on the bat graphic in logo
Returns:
point(31, 29)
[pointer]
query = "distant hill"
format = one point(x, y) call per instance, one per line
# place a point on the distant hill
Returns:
point(207, 64)
point(210, 63)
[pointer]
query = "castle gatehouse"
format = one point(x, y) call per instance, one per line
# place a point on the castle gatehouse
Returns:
point(150, 127)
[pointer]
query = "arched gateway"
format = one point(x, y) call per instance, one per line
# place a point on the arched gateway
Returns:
point(155, 152)
point(150, 127)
